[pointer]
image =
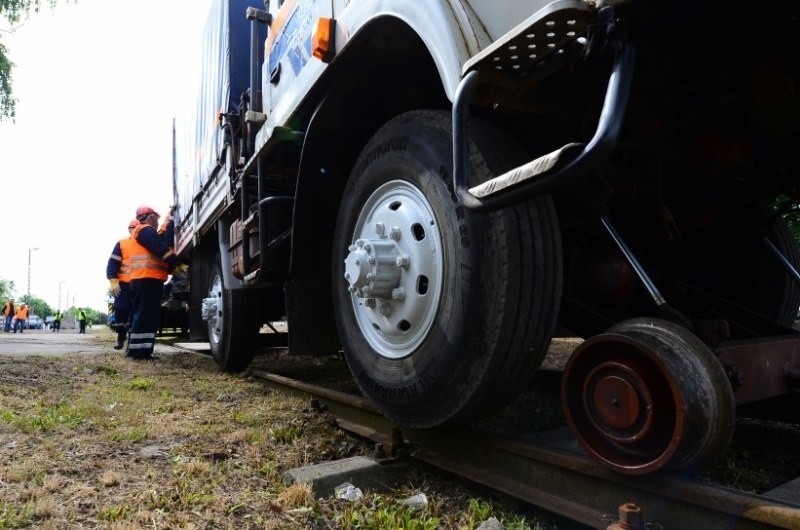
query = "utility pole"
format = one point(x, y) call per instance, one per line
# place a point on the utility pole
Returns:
point(29, 270)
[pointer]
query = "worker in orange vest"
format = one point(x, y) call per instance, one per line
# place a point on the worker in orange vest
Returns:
point(152, 257)
point(8, 312)
point(118, 273)
point(22, 317)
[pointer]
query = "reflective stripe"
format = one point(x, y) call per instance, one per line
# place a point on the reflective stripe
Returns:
point(143, 336)
point(143, 264)
point(140, 345)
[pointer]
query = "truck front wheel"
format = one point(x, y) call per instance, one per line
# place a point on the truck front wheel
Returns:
point(444, 314)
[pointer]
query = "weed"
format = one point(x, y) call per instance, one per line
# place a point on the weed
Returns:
point(141, 384)
point(13, 517)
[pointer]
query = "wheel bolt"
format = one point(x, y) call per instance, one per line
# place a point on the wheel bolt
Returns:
point(394, 233)
point(402, 261)
point(380, 228)
point(399, 294)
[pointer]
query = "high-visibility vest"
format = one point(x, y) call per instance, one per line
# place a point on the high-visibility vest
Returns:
point(22, 313)
point(126, 249)
point(144, 264)
point(8, 309)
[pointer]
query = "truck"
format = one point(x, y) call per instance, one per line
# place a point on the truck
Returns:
point(436, 189)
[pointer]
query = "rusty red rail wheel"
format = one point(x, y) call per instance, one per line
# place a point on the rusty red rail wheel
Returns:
point(648, 395)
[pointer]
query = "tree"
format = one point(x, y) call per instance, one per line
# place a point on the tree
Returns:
point(37, 305)
point(13, 11)
point(6, 288)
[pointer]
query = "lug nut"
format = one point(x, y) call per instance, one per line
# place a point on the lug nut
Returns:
point(399, 294)
point(402, 261)
point(380, 228)
point(385, 310)
point(394, 233)
point(369, 303)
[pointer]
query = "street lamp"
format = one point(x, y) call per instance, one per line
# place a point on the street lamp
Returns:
point(29, 270)
point(62, 282)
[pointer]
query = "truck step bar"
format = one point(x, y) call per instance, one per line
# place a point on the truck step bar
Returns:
point(557, 29)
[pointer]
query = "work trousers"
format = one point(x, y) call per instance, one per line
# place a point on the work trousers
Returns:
point(7, 324)
point(122, 305)
point(145, 317)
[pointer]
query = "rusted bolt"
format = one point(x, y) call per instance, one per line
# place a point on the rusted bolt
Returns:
point(630, 517)
point(735, 376)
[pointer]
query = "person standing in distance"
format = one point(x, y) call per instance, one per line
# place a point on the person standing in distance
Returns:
point(82, 320)
point(118, 274)
point(56, 322)
point(8, 312)
point(152, 258)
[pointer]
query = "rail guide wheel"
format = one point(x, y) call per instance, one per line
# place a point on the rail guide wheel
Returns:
point(648, 395)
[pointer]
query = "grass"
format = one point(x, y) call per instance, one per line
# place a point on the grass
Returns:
point(97, 441)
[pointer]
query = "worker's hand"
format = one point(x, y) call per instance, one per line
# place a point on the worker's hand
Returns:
point(114, 286)
point(180, 270)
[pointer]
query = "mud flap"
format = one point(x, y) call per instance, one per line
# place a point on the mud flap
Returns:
point(309, 309)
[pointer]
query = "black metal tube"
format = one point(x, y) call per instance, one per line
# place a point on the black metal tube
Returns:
point(265, 245)
point(599, 148)
point(255, 104)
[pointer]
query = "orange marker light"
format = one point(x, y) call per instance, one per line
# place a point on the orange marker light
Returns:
point(322, 39)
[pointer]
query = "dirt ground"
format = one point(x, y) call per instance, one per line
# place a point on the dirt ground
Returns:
point(89, 440)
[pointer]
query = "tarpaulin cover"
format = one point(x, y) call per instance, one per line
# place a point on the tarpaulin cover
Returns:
point(222, 75)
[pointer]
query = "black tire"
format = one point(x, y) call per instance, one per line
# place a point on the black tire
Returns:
point(232, 324)
point(480, 291)
point(731, 260)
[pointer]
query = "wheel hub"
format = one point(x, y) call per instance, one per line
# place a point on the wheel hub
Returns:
point(618, 402)
point(211, 309)
point(393, 269)
point(373, 268)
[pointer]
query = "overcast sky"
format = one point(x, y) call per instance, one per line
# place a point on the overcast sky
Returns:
point(98, 83)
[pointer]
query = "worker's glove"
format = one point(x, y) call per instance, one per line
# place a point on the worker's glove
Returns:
point(180, 270)
point(114, 286)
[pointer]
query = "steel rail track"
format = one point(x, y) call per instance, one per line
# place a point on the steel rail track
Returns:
point(550, 475)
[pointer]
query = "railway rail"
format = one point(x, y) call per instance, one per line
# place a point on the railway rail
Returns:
point(550, 471)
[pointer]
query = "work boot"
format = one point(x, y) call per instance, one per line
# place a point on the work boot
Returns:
point(121, 333)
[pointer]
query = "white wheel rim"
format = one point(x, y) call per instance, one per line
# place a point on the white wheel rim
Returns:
point(394, 269)
point(212, 310)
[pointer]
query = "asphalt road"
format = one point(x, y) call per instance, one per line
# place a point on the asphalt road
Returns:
point(64, 342)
